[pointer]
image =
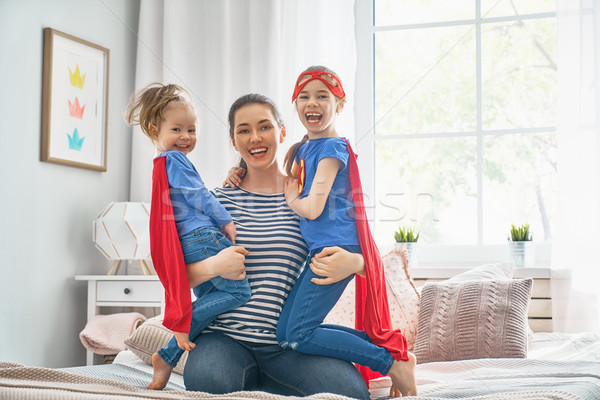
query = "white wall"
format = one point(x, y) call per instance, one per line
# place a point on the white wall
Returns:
point(46, 209)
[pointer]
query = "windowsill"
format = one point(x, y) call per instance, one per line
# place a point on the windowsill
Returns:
point(465, 257)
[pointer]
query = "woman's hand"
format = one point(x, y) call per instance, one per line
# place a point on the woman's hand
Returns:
point(234, 177)
point(335, 264)
point(228, 264)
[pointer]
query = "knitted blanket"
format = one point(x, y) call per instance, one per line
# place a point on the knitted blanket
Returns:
point(18, 382)
point(484, 379)
point(106, 334)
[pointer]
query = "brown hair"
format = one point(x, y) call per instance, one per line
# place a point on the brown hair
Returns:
point(250, 99)
point(290, 157)
point(147, 106)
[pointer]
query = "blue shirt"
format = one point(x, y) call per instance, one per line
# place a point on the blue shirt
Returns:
point(336, 225)
point(194, 206)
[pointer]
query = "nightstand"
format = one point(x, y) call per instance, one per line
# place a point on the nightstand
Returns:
point(121, 291)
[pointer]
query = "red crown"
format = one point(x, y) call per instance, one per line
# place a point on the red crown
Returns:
point(75, 110)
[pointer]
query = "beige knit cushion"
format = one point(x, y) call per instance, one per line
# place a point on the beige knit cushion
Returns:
point(149, 338)
point(473, 319)
point(403, 298)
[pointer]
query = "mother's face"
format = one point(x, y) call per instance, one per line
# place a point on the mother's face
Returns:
point(256, 135)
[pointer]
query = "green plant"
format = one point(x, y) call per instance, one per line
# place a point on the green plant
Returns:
point(406, 234)
point(520, 233)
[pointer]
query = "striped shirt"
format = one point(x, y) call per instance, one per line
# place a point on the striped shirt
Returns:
point(270, 231)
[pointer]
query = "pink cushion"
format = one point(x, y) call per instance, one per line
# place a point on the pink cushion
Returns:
point(403, 298)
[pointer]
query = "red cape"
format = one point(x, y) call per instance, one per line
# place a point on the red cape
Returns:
point(166, 253)
point(372, 309)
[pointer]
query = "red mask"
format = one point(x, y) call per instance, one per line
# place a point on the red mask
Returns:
point(336, 90)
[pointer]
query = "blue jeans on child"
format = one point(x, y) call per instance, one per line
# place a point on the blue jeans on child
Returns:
point(213, 297)
point(301, 325)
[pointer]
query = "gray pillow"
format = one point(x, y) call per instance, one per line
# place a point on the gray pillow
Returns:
point(148, 338)
point(473, 319)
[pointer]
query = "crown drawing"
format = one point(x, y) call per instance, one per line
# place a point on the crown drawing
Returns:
point(75, 110)
point(75, 142)
point(76, 78)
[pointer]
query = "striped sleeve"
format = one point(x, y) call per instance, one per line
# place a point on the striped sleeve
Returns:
point(270, 231)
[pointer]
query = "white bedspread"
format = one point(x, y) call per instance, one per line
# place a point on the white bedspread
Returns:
point(560, 366)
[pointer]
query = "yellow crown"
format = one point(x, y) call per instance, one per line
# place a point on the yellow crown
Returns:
point(76, 78)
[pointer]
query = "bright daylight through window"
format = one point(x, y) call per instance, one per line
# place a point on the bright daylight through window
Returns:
point(464, 118)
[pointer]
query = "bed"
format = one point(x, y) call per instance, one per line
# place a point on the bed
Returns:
point(558, 366)
point(470, 333)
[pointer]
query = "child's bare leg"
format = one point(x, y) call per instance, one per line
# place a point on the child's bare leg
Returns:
point(183, 341)
point(403, 377)
point(162, 372)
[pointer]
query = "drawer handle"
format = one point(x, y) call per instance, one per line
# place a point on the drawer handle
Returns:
point(126, 291)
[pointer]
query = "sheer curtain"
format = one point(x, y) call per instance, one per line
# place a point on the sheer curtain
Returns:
point(576, 289)
point(220, 50)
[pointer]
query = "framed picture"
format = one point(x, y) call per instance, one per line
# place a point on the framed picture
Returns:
point(74, 101)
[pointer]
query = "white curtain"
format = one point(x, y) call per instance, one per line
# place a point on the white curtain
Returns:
point(220, 50)
point(576, 283)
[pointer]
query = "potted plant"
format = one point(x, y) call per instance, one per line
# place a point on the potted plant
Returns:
point(521, 250)
point(408, 237)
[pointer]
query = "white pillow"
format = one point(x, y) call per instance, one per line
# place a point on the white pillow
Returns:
point(485, 272)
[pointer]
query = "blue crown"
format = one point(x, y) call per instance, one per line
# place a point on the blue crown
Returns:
point(75, 142)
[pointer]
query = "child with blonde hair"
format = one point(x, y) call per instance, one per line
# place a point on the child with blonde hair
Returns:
point(184, 224)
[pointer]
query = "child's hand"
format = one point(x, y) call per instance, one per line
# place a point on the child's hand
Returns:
point(334, 264)
point(229, 231)
point(234, 177)
point(291, 190)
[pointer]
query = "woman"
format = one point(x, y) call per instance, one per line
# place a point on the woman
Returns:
point(239, 351)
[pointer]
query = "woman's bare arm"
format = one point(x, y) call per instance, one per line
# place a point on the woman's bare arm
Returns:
point(228, 263)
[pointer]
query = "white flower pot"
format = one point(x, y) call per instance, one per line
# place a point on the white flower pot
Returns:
point(522, 254)
point(412, 249)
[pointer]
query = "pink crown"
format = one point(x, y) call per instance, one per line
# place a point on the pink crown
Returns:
point(75, 110)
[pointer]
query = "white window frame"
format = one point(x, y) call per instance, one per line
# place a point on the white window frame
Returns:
point(429, 255)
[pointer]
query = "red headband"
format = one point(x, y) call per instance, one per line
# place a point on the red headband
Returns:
point(336, 90)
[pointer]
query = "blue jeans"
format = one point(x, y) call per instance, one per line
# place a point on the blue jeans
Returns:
point(213, 297)
point(301, 325)
point(220, 364)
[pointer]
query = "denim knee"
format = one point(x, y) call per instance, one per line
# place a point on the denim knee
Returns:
point(296, 339)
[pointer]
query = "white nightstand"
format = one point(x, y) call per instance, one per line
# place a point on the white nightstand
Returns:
point(121, 291)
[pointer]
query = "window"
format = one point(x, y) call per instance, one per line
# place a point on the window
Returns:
point(457, 117)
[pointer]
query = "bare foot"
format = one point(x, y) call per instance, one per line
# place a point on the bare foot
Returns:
point(183, 341)
point(403, 377)
point(162, 372)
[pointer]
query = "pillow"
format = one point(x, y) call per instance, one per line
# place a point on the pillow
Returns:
point(403, 298)
point(149, 338)
point(486, 271)
point(473, 319)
